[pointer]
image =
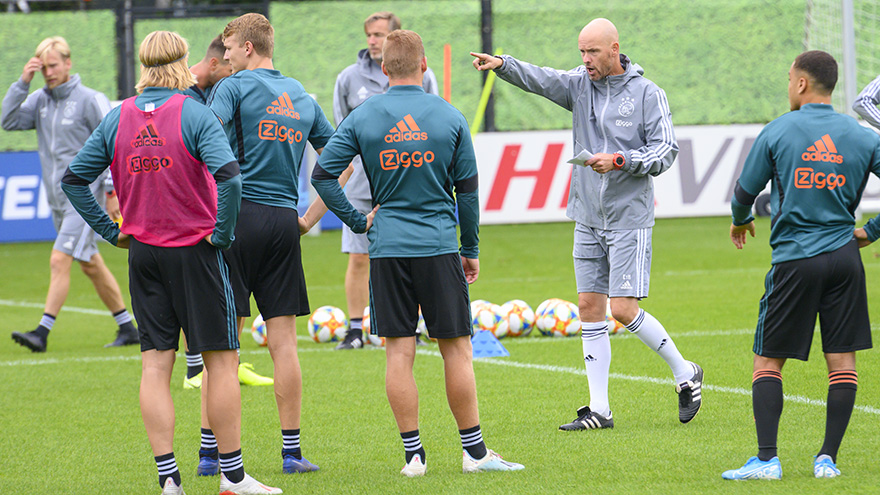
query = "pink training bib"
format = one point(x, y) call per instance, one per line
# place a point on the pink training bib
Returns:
point(166, 196)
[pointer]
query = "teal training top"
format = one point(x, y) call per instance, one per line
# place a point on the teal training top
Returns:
point(202, 137)
point(419, 160)
point(197, 94)
point(268, 118)
point(818, 161)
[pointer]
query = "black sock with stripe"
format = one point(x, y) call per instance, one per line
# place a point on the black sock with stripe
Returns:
point(412, 445)
point(472, 442)
point(167, 467)
point(232, 466)
point(767, 406)
point(842, 386)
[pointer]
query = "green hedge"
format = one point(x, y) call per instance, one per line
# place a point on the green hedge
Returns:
point(720, 61)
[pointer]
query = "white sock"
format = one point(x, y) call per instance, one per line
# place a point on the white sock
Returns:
point(597, 359)
point(652, 334)
point(122, 317)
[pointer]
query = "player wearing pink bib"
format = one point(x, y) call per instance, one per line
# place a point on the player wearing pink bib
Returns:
point(179, 190)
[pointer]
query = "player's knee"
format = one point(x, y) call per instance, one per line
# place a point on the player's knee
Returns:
point(359, 261)
point(90, 268)
point(624, 311)
point(59, 261)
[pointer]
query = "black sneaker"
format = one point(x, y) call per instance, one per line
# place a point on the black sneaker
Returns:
point(32, 340)
point(352, 340)
point(690, 396)
point(588, 420)
point(126, 335)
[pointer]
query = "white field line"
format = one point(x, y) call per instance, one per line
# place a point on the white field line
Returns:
point(72, 309)
point(134, 357)
point(490, 361)
point(623, 334)
point(645, 379)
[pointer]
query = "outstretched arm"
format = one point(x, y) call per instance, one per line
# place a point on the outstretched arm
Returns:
point(555, 85)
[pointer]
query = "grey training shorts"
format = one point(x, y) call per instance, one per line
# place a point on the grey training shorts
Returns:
point(75, 237)
point(356, 243)
point(612, 262)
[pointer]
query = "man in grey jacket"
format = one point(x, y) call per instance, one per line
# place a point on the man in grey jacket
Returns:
point(354, 85)
point(64, 113)
point(623, 121)
point(867, 101)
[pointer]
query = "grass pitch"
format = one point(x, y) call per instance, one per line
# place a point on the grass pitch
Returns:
point(70, 420)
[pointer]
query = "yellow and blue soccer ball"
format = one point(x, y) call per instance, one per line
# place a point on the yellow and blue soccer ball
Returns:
point(486, 316)
point(517, 317)
point(328, 324)
point(258, 331)
point(614, 326)
point(558, 318)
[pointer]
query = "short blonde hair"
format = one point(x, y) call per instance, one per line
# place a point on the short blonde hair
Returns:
point(163, 56)
point(55, 44)
point(254, 28)
point(393, 20)
point(402, 53)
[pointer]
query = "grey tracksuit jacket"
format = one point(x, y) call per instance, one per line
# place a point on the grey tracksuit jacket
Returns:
point(624, 113)
point(354, 85)
point(64, 118)
point(867, 101)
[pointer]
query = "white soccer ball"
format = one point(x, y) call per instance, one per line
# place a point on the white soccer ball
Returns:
point(518, 318)
point(258, 331)
point(479, 303)
point(558, 318)
point(371, 339)
point(487, 317)
point(328, 324)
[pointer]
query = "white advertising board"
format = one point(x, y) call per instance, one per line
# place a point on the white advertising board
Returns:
point(524, 176)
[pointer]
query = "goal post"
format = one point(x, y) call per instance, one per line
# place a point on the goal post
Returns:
point(850, 31)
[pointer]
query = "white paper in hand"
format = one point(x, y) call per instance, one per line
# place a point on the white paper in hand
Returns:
point(581, 158)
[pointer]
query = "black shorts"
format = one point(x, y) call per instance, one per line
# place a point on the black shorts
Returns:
point(182, 287)
point(265, 260)
point(398, 286)
point(830, 284)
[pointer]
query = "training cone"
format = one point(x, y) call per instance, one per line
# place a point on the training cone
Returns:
point(486, 345)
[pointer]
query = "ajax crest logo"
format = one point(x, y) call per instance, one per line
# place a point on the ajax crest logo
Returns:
point(627, 106)
point(69, 109)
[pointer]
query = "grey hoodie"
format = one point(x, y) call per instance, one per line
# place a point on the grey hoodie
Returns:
point(354, 85)
point(624, 113)
point(64, 118)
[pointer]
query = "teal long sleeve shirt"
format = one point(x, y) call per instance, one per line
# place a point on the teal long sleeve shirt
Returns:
point(419, 160)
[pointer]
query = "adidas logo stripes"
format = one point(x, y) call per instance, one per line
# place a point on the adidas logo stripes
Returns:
point(283, 106)
point(148, 136)
point(406, 130)
point(823, 150)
